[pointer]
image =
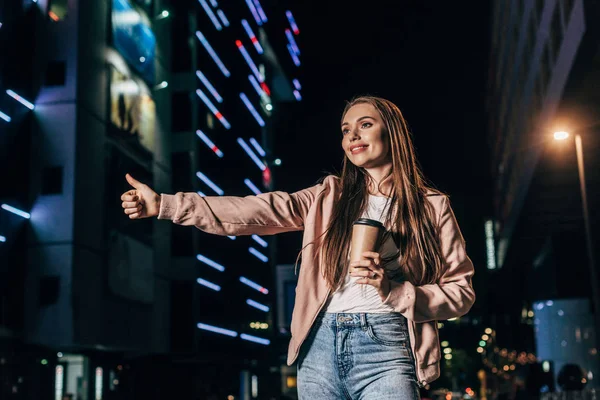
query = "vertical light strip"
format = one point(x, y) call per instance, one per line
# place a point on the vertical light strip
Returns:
point(255, 84)
point(16, 211)
point(216, 329)
point(209, 86)
point(211, 14)
point(212, 53)
point(258, 147)
point(209, 183)
point(249, 61)
point(292, 21)
point(294, 55)
point(254, 285)
point(252, 186)
point(257, 305)
point(208, 284)
point(252, 110)
point(210, 262)
point(251, 154)
point(254, 12)
point(209, 143)
point(252, 36)
point(260, 240)
point(223, 17)
point(255, 339)
point(297, 84)
point(292, 41)
point(5, 117)
point(21, 100)
point(260, 10)
point(258, 254)
point(212, 108)
point(297, 95)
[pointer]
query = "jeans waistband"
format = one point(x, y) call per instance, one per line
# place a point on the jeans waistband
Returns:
point(360, 319)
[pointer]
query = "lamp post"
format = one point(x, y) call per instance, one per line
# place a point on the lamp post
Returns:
point(588, 231)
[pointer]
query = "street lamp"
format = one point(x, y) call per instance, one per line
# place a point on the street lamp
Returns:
point(586, 221)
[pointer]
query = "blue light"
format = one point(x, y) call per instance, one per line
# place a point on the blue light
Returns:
point(211, 14)
point(214, 3)
point(258, 254)
point(292, 41)
point(294, 55)
point(232, 237)
point(210, 262)
point(297, 95)
point(209, 285)
point(2, 238)
point(257, 146)
point(260, 240)
point(21, 100)
point(4, 117)
point(254, 285)
point(262, 14)
point(212, 53)
point(255, 84)
point(255, 339)
point(290, 18)
point(210, 183)
point(209, 86)
point(254, 12)
point(201, 194)
point(257, 305)
point(252, 110)
point(212, 108)
point(16, 211)
point(297, 84)
point(223, 17)
point(252, 36)
point(216, 329)
point(249, 61)
point(252, 187)
point(250, 153)
point(209, 143)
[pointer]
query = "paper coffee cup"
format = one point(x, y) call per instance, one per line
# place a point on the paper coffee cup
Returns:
point(366, 234)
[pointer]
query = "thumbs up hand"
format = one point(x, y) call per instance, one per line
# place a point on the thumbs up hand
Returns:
point(141, 202)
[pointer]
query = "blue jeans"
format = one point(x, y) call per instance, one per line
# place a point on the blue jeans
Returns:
point(357, 356)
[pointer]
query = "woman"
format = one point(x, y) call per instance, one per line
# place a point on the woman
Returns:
point(365, 329)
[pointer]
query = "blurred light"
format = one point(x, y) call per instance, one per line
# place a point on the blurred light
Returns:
point(561, 135)
point(5, 117)
point(277, 161)
point(44, 362)
point(0, 24)
point(254, 285)
point(505, 368)
point(260, 240)
point(297, 95)
point(59, 354)
point(447, 350)
point(530, 314)
point(214, 3)
point(223, 17)
point(255, 85)
point(210, 262)
point(292, 41)
point(512, 367)
point(252, 37)
point(232, 237)
point(294, 55)
point(488, 331)
point(269, 107)
point(297, 84)
point(212, 53)
point(209, 86)
point(561, 313)
point(258, 254)
point(453, 319)
point(208, 284)
point(482, 343)
point(489, 244)
point(142, 59)
point(448, 356)
point(16, 211)
point(164, 14)
point(257, 147)
point(213, 109)
point(249, 61)
point(201, 194)
point(161, 85)
point(254, 387)
point(265, 88)
point(257, 305)
point(209, 143)
point(252, 110)
point(260, 10)
point(252, 186)
point(440, 325)
point(255, 339)
point(254, 12)
point(485, 337)
point(539, 306)
point(21, 100)
point(480, 350)
point(563, 343)
point(216, 329)
point(292, 21)
point(549, 303)
point(209, 183)
point(53, 16)
point(251, 154)
point(445, 343)
point(211, 14)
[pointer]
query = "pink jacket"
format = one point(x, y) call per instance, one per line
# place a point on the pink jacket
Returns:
point(310, 210)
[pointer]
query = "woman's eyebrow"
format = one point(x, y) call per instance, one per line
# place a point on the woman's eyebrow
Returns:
point(358, 120)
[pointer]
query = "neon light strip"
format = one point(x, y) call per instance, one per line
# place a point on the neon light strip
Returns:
point(209, 143)
point(298, 95)
point(249, 61)
point(232, 237)
point(297, 84)
point(258, 305)
point(223, 17)
point(252, 187)
point(254, 12)
point(265, 88)
point(292, 41)
point(251, 154)
point(212, 53)
point(5, 117)
point(212, 108)
point(260, 240)
point(201, 194)
point(16, 211)
point(254, 285)
point(294, 55)
point(211, 14)
point(257, 146)
point(258, 254)
point(255, 84)
point(21, 100)
point(210, 183)
point(252, 110)
point(290, 18)
point(216, 329)
point(210, 262)
point(209, 86)
point(214, 3)
point(252, 37)
point(255, 339)
point(261, 12)
point(2, 239)
point(209, 285)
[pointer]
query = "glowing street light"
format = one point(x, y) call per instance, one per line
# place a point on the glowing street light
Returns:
point(561, 135)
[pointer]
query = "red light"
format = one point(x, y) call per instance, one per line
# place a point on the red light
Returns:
point(238, 43)
point(215, 149)
point(254, 39)
point(468, 389)
point(265, 88)
point(219, 115)
point(263, 290)
point(296, 31)
point(267, 178)
point(53, 16)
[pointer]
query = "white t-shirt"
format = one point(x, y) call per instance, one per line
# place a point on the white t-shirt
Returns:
point(354, 297)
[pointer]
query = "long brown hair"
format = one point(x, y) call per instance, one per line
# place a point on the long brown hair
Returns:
point(411, 219)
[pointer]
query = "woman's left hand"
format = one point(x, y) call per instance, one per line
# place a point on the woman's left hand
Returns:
point(370, 272)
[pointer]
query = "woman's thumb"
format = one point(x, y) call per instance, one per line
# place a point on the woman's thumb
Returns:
point(136, 184)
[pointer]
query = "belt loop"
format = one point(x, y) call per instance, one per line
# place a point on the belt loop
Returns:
point(363, 320)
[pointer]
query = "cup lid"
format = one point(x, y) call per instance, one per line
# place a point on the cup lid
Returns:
point(369, 222)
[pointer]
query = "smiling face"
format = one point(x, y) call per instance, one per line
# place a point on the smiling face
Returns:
point(364, 137)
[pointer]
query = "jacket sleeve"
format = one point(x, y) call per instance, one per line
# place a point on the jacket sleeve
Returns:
point(453, 295)
point(264, 214)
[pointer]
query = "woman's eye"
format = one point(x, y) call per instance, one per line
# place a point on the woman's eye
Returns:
point(345, 131)
point(366, 125)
